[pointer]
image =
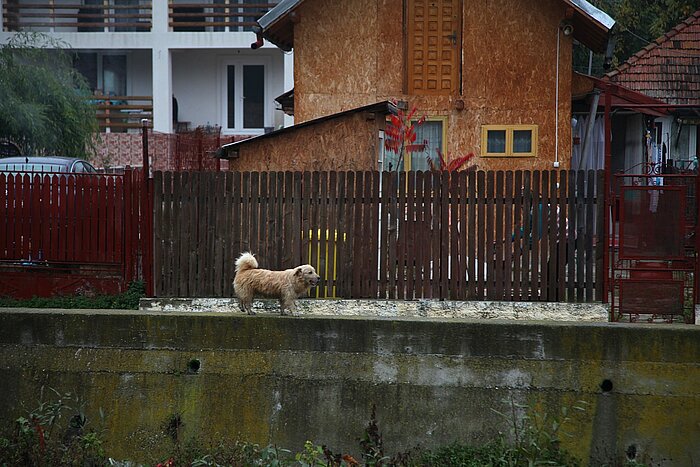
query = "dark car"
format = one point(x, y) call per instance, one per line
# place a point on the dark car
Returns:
point(46, 165)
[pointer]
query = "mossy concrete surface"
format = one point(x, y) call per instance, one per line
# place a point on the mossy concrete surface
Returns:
point(428, 308)
point(283, 380)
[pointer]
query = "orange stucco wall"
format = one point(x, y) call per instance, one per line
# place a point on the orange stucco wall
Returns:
point(351, 53)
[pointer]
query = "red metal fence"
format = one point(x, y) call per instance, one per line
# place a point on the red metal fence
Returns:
point(496, 235)
point(654, 248)
point(63, 232)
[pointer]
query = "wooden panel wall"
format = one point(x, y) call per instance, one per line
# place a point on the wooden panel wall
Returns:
point(517, 236)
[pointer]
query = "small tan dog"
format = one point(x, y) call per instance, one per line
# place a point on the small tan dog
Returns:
point(287, 285)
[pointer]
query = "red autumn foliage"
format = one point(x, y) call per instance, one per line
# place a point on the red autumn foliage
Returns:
point(445, 163)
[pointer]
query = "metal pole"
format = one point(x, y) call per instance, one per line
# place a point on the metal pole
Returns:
point(608, 200)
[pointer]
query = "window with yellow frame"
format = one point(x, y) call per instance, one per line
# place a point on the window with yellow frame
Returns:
point(433, 131)
point(509, 140)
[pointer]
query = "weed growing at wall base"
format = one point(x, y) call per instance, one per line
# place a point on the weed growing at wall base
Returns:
point(56, 433)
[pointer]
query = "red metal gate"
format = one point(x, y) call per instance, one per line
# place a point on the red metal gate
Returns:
point(654, 255)
point(70, 233)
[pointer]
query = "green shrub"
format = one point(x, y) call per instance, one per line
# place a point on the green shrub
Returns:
point(128, 300)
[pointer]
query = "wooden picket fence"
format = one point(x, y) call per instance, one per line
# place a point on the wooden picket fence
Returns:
point(516, 236)
point(59, 232)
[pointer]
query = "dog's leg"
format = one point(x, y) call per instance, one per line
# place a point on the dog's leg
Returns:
point(283, 307)
point(246, 304)
point(288, 305)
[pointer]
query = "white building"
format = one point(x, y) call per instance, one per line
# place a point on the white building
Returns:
point(140, 54)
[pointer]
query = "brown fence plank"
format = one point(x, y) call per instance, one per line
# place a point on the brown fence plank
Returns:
point(253, 211)
point(323, 232)
point(407, 231)
point(471, 229)
point(508, 237)
point(218, 221)
point(357, 235)
point(580, 235)
point(333, 239)
point(500, 266)
point(199, 227)
point(341, 242)
point(518, 229)
point(601, 237)
point(349, 249)
point(443, 232)
point(229, 235)
point(563, 235)
point(535, 236)
point(527, 236)
point(461, 272)
point(424, 244)
point(454, 263)
point(553, 238)
point(395, 255)
point(481, 234)
point(375, 222)
point(489, 236)
point(383, 271)
point(544, 235)
point(571, 238)
point(187, 224)
point(159, 234)
point(589, 207)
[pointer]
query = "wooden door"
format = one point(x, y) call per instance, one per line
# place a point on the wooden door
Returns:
point(434, 42)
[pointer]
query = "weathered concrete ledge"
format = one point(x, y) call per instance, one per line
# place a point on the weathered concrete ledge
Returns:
point(540, 311)
point(272, 379)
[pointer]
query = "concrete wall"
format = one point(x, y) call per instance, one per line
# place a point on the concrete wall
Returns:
point(286, 380)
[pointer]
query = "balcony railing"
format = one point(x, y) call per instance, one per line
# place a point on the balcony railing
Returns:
point(54, 16)
point(216, 15)
point(119, 113)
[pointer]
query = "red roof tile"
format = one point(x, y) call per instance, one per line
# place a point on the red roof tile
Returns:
point(668, 68)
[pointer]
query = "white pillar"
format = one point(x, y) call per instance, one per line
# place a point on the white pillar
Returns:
point(288, 82)
point(162, 90)
point(160, 16)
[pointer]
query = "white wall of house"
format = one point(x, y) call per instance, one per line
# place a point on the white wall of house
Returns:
point(162, 62)
point(199, 83)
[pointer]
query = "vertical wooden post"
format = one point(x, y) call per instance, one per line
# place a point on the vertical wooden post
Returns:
point(608, 197)
point(146, 213)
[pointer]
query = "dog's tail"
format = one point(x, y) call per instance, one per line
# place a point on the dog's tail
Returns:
point(246, 261)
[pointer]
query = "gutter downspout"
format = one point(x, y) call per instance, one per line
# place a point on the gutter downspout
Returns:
point(556, 107)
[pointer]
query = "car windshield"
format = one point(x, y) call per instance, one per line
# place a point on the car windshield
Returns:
point(21, 167)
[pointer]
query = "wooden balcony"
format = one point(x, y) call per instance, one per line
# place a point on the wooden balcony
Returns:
point(216, 15)
point(119, 113)
point(56, 16)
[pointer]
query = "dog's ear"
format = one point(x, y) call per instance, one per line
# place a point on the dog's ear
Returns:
point(298, 271)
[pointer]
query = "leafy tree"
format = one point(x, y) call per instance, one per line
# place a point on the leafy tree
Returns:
point(639, 22)
point(43, 99)
point(400, 134)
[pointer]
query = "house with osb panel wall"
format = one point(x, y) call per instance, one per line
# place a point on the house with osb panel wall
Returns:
point(492, 78)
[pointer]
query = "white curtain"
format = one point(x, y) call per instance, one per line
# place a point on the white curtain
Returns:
point(594, 158)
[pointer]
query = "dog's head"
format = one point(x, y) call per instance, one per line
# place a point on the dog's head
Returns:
point(307, 274)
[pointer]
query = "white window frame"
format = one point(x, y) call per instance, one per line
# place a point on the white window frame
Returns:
point(239, 63)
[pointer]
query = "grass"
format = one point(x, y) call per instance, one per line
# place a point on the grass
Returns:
point(128, 300)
